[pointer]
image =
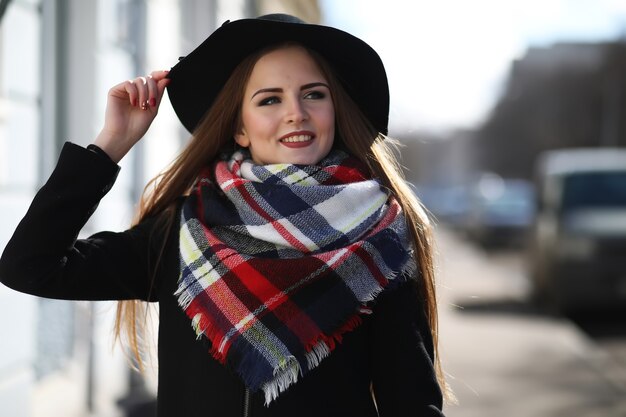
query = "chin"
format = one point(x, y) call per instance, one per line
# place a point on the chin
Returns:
point(305, 161)
point(308, 159)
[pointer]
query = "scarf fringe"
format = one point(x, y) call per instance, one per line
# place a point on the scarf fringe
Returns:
point(184, 298)
point(286, 376)
point(410, 268)
point(283, 378)
point(319, 352)
point(203, 327)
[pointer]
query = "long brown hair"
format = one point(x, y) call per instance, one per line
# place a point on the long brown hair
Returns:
point(354, 132)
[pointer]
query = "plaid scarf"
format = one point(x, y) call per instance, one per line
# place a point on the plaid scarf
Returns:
point(279, 261)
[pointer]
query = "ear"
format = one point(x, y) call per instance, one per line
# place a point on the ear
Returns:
point(242, 139)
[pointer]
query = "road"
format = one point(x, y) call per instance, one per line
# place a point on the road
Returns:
point(504, 357)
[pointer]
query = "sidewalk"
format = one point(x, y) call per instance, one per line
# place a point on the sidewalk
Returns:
point(506, 359)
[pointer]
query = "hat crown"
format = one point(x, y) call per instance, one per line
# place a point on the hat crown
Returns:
point(281, 17)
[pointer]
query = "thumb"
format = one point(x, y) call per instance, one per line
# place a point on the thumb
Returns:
point(161, 84)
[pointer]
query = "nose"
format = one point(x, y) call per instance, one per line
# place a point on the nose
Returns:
point(296, 112)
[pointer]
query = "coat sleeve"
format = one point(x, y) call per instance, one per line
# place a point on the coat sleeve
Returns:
point(44, 256)
point(404, 380)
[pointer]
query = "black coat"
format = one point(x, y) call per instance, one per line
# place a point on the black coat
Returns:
point(391, 351)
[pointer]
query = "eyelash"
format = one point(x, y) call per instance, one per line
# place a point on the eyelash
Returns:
point(268, 101)
point(318, 95)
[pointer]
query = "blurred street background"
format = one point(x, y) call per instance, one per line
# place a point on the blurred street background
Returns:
point(512, 120)
point(504, 355)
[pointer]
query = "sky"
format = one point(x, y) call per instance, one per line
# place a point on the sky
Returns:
point(447, 60)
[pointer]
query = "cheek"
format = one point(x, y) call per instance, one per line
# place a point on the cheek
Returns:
point(327, 119)
point(256, 124)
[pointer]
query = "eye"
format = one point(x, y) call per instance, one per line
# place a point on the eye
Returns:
point(269, 101)
point(315, 95)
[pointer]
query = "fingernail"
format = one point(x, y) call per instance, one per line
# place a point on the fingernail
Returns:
point(153, 102)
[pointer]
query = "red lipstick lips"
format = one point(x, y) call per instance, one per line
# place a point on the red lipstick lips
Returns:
point(298, 139)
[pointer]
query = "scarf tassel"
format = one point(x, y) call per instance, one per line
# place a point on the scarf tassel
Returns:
point(285, 376)
point(203, 327)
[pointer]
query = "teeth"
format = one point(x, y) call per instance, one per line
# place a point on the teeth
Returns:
point(299, 138)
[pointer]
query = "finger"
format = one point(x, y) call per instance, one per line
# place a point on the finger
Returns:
point(159, 75)
point(153, 91)
point(161, 88)
point(142, 91)
point(131, 90)
point(161, 82)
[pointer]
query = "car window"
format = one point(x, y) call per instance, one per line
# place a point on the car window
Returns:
point(594, 190)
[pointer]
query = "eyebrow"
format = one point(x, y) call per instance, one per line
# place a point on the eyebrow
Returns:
point(279, 90)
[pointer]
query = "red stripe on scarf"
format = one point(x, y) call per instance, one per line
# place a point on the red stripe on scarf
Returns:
point(369, 262)
point(345, 174)
point(207, 327)
point(274, 298)
point(293, 241)
point(290, 278)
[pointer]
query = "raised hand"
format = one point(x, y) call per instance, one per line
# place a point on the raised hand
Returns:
point(131, 108)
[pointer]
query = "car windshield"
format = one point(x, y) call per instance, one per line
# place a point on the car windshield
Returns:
point(594, 190)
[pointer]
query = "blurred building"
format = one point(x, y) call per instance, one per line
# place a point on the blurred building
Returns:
point(58, 58)
point(570, 94)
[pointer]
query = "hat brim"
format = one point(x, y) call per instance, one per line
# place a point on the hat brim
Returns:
point(198, 77)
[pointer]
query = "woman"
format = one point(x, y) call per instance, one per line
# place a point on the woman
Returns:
point(291, 263)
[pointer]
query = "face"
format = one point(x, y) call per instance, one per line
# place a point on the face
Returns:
point(287, 111)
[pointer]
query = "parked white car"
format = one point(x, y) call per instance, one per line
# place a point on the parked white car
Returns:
point(578, 241)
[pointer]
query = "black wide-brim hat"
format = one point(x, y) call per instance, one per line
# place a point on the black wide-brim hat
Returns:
point(198, 77)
